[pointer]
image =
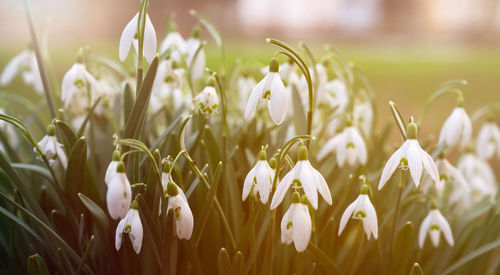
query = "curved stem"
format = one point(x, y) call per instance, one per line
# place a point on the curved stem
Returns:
point(447, 87)
point(396, 214)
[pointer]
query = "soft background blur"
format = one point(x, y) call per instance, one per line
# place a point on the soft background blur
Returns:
point(407, 48)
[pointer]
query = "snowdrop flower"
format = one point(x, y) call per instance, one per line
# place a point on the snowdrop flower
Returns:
point(119, 194)
point(410, 156)
point(363, 117)
point(192, 45)
point(259, 180)
point(175, 43)
point(296, 224)
point(77, 88)
point(303, 175)
point(434, 223)
point(245, 85)
point(272, 89)
point(132, 225)
point(447, 173)
point(52, 149)
point(336, 95)
point(111, 170)
point(488, 141)
point(361, 209)
point(9, 131)
point(349, 145)
point(167, 87)
point(177, 202)
point(26, 64)
point(457, 128)
point(207, 100)
point(130, 36)
point(478, 174)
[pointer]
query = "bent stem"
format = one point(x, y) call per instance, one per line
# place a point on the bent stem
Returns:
point(447, 87)
point(305, 70)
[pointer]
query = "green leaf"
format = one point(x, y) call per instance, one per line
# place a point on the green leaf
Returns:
point(472, 255)
point(33, 168)
point(37, 266)
point(323, 259)
point(95, 210)
point(138, 113)
point(224, 262)
point(86, 255)
point(21, 223)
point(239, 263)
point(210, 27)
point(128, 101)
point(400, 122)
point(75, 173)
point(401, 250)
point(66, 134)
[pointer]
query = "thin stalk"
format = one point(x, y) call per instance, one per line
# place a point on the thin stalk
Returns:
point(271, 252)
point(396, 214)
point(43, 74)
point(252, 232)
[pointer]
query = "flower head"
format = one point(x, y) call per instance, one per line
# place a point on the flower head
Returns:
point(192, 45)
point(130, 36)
point(296, 224)
point(26, 64)
point(410, 156)
point(362, 116)
point(177, 202)
point(132, 225)
point(167, 87)
point(77, 88)
point(457, 128)
point(488, 141)
point(111, 170)
point(52, 149)
point(259, 180)
point(349, 145)
point(336, 96)
point(174, 42)
point(272, 89)
point(478, 174)
point(361, 209)
point(119, 194)
point(449, 173)
point(303, 175)
point(207, 100)
point(434, 223)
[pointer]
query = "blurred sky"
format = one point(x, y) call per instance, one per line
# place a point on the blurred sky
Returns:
point(435, 21)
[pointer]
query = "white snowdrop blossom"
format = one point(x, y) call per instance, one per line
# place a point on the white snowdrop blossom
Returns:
point(457, 128)
point(130, 36)
point(52, 149)
point(111, 170)
point(132, 225)
point(448, 173)
point(192, 45)
point(296, 225)
point(245, 86)
point(119, 194)
point(271, 89)
point(348, 145)
point(488, 141)
point(9, 131)
point(167, 87)
point(434, 223)
point(361, 209)
point(362, 117)
point(259, 180)
point(304, 176)
point(78, 87)
point(410, 156)
point(177, 202)
point(176, 44)
point(336, 96)
point(207, 100)
point(25, 64)
point(478, 174)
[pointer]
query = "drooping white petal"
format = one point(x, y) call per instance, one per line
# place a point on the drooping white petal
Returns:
point(321, 185)
point(247, 185)
point(445, 228)
point(286, 231)
point(149, 40)
point(264, 181)
point(127, 37)
point(185, 222)
point(359, 145)
point(119, 196)
point(278, 104)
point(308, 181)
point(342, 149)
point(347, 215)
point(254, 98)
point(61, 156)
point(301, 227)
point(391, 165)
point(110, 171)
point(371, 217)
point(136, 231)
point(430, 166)
point(434, 234)
point(414, 157)
point(119, 233)
point(424, 229)
point(13, 67)
point(282, 187)
point(466, 130)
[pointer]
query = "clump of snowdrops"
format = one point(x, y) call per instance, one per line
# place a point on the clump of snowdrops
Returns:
point(157, 163)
